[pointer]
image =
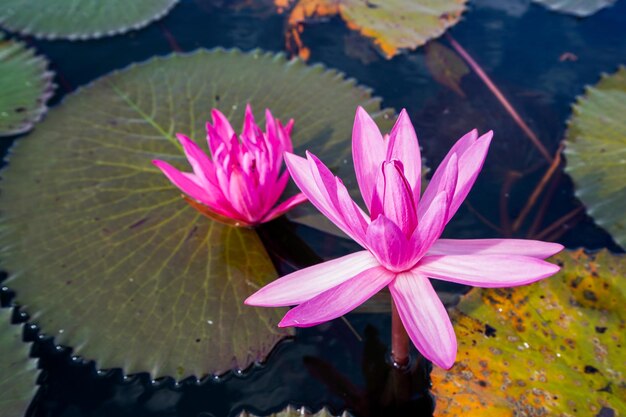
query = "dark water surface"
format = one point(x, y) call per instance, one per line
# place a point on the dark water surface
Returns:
point(518, 44)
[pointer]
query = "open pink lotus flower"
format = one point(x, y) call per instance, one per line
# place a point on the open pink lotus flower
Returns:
point(242, 183)
point(401, 238)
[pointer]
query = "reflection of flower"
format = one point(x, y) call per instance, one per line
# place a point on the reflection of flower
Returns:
point(242, 182)
point(401, 236)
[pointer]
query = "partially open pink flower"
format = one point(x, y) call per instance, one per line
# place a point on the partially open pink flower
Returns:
point(401, 238)
point(242, 182)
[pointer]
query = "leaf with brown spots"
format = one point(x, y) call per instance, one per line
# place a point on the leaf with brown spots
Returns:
point(394, 25)
point(554, 348)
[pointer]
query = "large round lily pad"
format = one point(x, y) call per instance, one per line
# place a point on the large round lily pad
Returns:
point(554, 348)
point(596, 153)
point(394, 25)
point(80, 19)
point(26, 85)
point(101, 249)
point(580, 8)
point(19, 372)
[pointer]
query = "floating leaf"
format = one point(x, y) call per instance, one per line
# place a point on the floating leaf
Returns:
point(553, 348)
point(104, 253)
point(19, 372)
point(80, 19)
point(295, 412)
point(445, 66)
point(580, 8)
point(394, 25)
point(26, 85)
point(596, 140)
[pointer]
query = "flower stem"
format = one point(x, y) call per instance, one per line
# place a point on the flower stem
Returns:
point(399, 339)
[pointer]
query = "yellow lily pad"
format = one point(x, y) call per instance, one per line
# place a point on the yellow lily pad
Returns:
point(554, 348)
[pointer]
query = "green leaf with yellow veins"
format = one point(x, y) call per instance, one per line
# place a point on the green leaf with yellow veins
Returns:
point(101, 249)
point(595, 152)
point(25, 86)
point(19, 372)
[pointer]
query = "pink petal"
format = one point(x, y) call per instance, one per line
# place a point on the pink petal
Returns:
point(425, 318)
point(470, 164)
point(308, 176)
point(389, 244)
point(403, 146)
point(249, 128)
point(336, 193)
point(338, 300)
point(200, 163)
point(243, 196)
point(533, 248)
point(303, 285)
point(397, 197)
point(284, 207)
point(444, 180)
point(222, 126)
point(186, 185)
point(490, 271)
point(368, 152)
point(431, 224)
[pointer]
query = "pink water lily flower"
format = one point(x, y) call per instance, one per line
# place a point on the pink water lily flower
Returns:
point(242, 182)
point(401, 238)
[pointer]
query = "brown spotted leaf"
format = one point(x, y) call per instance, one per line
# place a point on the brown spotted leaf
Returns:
point(553, 348)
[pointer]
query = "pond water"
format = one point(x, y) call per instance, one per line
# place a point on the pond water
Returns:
point(541, 60)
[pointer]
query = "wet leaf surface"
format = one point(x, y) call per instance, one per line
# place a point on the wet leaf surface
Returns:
point(595, 143)
point(79, 19)
point(104, 253)
point(19, 372)
point(26, 85)
point(580, 8)
point(554, 348)
point(393, 25)
point(298, 412)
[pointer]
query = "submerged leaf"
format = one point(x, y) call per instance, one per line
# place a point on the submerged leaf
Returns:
point(595, 152)
point(580, 8)
point(80, 19)
point(553, 348)
point(297, 412)
point(394, 25)
point(25, 85)
point(445, 66)
point(19, 372)
point(101, 249)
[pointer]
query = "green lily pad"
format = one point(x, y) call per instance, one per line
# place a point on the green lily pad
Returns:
point(595, 144)
point(297, 412)
point(80, 19)
point(394, 25)
point(26, 85)
point(580, 8)
point(104, 253)
point(19, 372)
point(553, 348)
